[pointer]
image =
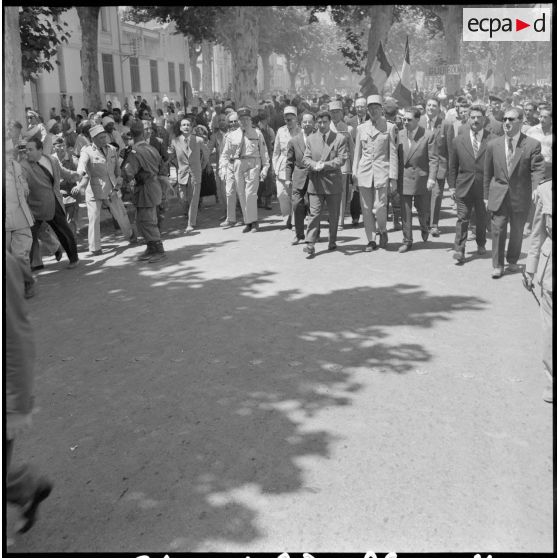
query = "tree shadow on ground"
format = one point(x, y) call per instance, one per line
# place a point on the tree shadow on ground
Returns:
point(162, 392)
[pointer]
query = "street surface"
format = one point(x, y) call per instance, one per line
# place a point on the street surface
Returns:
point(239, 397)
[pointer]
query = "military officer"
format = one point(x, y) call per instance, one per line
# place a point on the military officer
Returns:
point(143, 166)
point(246, 149)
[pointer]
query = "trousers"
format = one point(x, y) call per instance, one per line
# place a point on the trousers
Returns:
point(284, 193)
point(435, 202)
point(421, 205)
point(21, 481)
point(547, 331)
point(317, 202)
point(118, 211)
point(146, 220)
point(373, 203)
point(63, 232)
point(189, 195)
point(247, 177)
point(299, 209)
point(345, 195)
point(500, 220)
point(465, 207)
point(19, 242)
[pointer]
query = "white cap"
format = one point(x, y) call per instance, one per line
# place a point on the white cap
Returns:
point(289, 110)
point(335, 105)
point(374, 100)
point(106, 120)
point(96, 130)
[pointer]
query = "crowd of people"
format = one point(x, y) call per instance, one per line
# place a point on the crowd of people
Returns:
point(360, 157)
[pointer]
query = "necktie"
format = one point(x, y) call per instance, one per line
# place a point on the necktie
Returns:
point(324, 138)
point(242, 146)
point(475, 144)
point(510, 153)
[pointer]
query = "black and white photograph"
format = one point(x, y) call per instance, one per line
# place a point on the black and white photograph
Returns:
point(279, 279)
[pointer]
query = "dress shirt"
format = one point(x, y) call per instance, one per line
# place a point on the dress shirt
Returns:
point(478, 135)
point(514, 139)
point(537, 133)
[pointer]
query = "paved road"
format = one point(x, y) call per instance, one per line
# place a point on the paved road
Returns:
point(238, 397)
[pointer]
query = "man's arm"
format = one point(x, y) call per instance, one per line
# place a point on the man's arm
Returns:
point(453, 165)
point(537, 165)
point(538, 236)
point(433, 158)
point(341, 156)
point(291, 158)
point(393, 154)
point(356, 157)
point(276, 152)
point(307, 160)
point(131, 167)
point(264, 155)
point(488, 169)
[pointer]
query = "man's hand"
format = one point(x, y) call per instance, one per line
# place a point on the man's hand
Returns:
point(535, 195)
point(528, 281)
point(16, 423)
point(392, 185)
point(430, 184)
point(263, 174)
point(75, 191)
point(319, 166)
point(288, 182)
point(452, 192)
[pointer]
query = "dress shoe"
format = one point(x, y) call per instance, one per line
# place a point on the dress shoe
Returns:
point(481, 250)
point(297, 240)
point(396, 224)
point(548, 396)
point(149, 251)
point(332, 246)
point(157, 257)
point(435, 232)
point(226, 224)
point(424, 235)
point(73, 264)
point(247, 228)
point(255, 227)
point(95, 253)
point(404, 248)
point(133, 238)
point(29, 512)
point(355, 223)
point(340, 228)
point(370, 246)
point(471, 236)
point(513, 268)
point(383, 240)
point(37, 267)
point(309, 249)
point(58, 254)
point(497, 272)
point(459, 256)
point(189, 229)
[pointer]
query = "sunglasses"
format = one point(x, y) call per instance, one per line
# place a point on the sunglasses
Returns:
point(233, 121)
point(509, 118)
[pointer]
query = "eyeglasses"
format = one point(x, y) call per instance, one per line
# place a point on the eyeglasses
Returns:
point(233, 121)
point(509, 118)
point(407, 119)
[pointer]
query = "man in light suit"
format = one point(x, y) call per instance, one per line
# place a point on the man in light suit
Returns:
point(513, 168)
point(418, 168)
point(325, 155)
point(297, 174)
point(539, 268)
point(361, 115)
point(186, 153)
point(434, 122)
point(465, 178)
point(375, 168)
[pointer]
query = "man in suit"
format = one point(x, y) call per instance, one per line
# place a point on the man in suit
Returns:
point(361, 115)
point(375, 168)
point(513, 168)
point(338, 126)
point(215, 145)
point(418, 169)
point(539, 268)
point(43, 174)
point(296, 174)
point(465, 178)
point(99, 170)
point(189, 158)
point(434, 122)
point(326, 153)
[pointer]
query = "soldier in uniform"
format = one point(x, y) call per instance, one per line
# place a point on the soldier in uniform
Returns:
point(143, 165)
point(246, 149)
point(226, 174)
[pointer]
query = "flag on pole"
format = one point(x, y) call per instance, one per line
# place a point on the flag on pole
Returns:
point(380, 69)
point(403, 90)
point(489, 80)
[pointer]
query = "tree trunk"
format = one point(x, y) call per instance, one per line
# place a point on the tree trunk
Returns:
point(266, 66)
point(194, 70)
point(207, 74)
point(381, 18)
point(503, 64)
point(244, 50)
point(89, 21)
point(13, 76)
point(292, 78)
point(452, 20)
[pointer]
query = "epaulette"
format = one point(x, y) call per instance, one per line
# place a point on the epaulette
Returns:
point(133, 151)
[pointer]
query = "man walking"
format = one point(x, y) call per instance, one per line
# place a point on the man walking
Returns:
point(99, 169)
point(418, 167)
point(326, 153)
point(513, 168)
point(284, 135)
point(375, 169)
point(296, 174)
point(465, 178)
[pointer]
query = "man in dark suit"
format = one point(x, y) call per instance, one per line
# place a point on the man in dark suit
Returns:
point(325, 154)
point(513, 168)
point(418, 168)
point(434, 122)
point(494, 119)
point(465, 178)
point(297, 174)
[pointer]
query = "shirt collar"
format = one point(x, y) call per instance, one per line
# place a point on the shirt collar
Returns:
point(514, 139)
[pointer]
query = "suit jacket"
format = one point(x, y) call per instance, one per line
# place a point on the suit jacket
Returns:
point(527, 171)
point(103, 171)
point(44, 190)
point(445, 134)
point(188, 157)
point(495, 127)
point(348, 132)
point(334, 153)
point(295, 169)
point(376, 155)
point(18, 214)
point(539, 258)
point(465, 170)
point(417, 163)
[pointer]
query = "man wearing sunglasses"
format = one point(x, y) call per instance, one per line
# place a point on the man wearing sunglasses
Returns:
point(513, 169)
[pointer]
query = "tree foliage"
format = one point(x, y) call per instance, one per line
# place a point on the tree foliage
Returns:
point(40, 34)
